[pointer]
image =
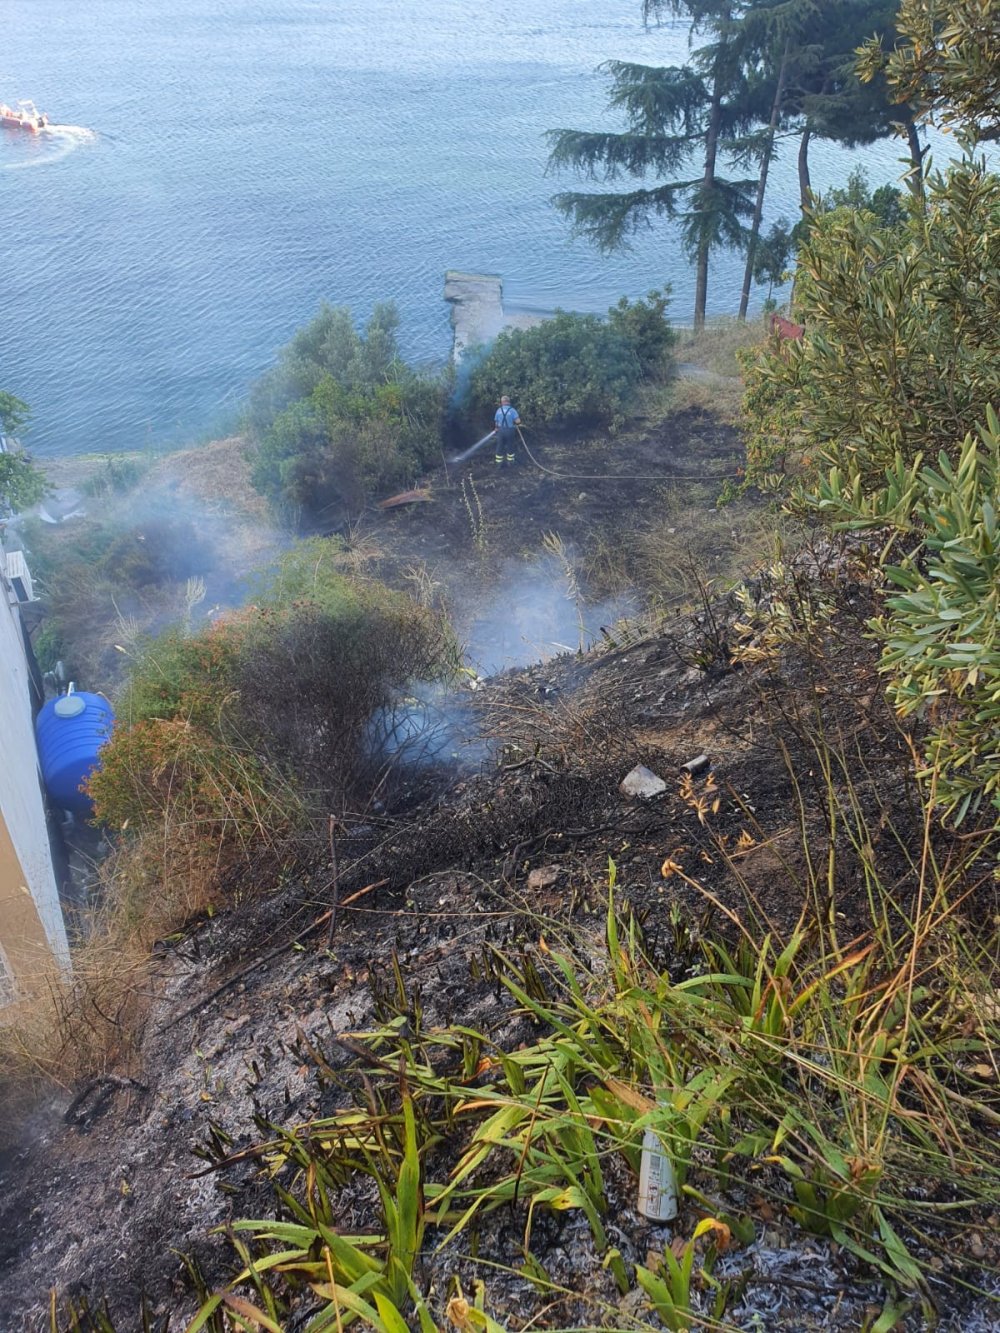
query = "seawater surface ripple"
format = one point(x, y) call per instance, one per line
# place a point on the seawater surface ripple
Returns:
point(223, 166)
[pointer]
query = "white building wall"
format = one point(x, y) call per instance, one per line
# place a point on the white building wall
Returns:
point(20, 779)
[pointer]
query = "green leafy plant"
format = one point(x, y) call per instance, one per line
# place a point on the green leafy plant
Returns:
point(669, 1288)
point(940, 634)
point(367, 1278)
point(901, 343)
point(341, 415)
point(575, 368)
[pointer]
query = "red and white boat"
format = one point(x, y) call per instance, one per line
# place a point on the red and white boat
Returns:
point(22, 116)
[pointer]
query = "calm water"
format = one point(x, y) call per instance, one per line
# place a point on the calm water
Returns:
point(231, 163)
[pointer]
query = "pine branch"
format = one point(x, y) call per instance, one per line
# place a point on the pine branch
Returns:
point(609, 220)
point(748, 150)
point(714, 216)
point(608, 156)
point(657, 99)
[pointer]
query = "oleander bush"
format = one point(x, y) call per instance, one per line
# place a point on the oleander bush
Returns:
point(941, 629)
point(901, 352)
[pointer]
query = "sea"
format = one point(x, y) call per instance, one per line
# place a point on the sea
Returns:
point(217, 169)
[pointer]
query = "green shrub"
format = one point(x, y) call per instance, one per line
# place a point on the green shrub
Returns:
point(49, 646)
point(190, 677)
point(173, 771)
point(156, 551)
point(275, 697)
point(341, 416)
point(941, 635)
point(902, 345)
point(645, 326)
point(575, 368)
point(901, 354)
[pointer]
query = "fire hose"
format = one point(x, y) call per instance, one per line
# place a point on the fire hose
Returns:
point(598, 476)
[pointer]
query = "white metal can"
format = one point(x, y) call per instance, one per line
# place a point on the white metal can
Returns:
point(657, 1182)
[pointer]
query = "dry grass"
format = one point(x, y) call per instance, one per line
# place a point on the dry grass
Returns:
point(215, 476)
point(708, 375)
point(76, 1026)
point(714, 347)
point(692, 543)
point(713, 545)
point(80, 1026)
point(98, 619)
point(717, 396)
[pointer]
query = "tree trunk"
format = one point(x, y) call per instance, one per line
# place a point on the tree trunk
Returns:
point(758, 212)
point(805, 180)
point(915, 176)
point(707, 183)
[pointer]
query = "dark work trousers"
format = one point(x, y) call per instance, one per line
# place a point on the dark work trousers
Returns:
point(506, 443)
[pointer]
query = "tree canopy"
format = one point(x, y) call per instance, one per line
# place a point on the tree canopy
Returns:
point(765, 68)
point(675, 116)
point(14, 414)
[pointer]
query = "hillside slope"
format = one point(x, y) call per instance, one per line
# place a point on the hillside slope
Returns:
point(247, 1027)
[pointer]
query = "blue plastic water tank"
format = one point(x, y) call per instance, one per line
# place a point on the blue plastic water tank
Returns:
point(70, 731)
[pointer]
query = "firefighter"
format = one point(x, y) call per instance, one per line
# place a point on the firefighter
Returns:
point(507, 421)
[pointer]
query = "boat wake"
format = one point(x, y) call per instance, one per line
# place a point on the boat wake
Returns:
point(60, 141)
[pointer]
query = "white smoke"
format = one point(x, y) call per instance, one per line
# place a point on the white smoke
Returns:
point(536, 612)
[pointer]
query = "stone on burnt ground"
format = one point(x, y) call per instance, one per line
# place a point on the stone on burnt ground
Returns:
point(643, 783)
point(544, 877)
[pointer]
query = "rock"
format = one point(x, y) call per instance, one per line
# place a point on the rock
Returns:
point(477, 313)
point(643, 783)
point(697, 765)
point(543, 877)
point(477, 307)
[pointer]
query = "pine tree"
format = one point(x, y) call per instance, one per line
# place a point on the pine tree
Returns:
point(829, 99)
point(772, 27)
point(813, 48)
point(673, 114)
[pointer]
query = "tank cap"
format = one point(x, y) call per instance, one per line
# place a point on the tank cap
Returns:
point(70, 705)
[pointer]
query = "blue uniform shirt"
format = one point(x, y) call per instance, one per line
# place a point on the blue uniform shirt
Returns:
point(506, 417)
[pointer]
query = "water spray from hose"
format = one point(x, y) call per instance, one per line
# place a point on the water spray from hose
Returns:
point(460, 458)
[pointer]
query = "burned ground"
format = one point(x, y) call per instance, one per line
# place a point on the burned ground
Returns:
point(633, 519)
point(635, 516)
point(251, 1021)
point(250, 1014)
